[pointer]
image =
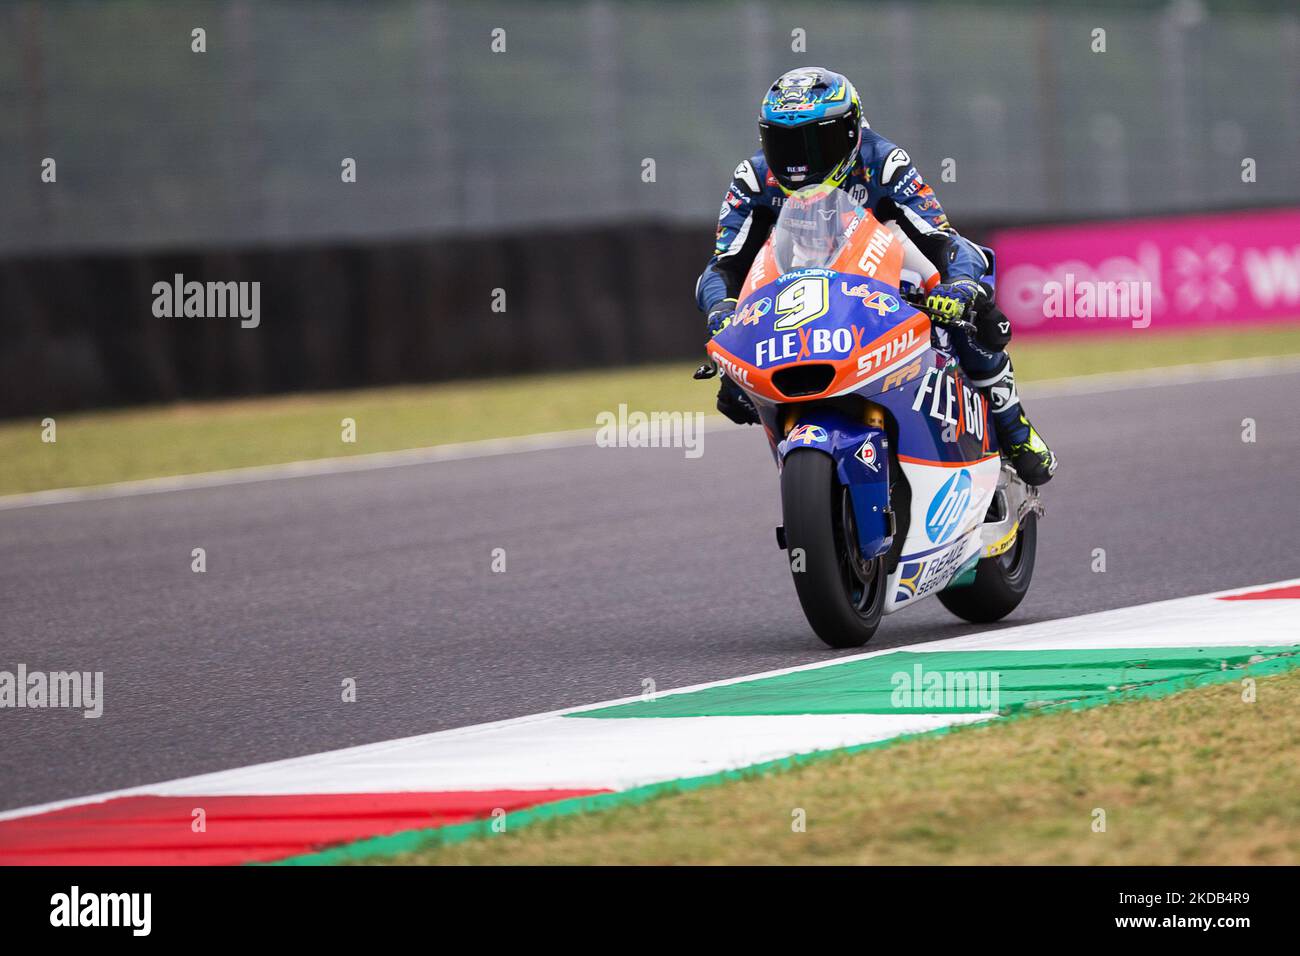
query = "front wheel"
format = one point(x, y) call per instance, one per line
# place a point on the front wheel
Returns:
point(1001, 582)
point(842, 594)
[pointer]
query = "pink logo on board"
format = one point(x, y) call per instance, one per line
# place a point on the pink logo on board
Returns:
point(1217, 269)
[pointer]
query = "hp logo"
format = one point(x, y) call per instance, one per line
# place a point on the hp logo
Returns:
point(948, 507)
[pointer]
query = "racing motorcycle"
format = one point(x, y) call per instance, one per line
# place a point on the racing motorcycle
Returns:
point(893, 487)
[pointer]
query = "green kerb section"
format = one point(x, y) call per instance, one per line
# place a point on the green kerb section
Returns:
point(949, 682)
point(1273, 660)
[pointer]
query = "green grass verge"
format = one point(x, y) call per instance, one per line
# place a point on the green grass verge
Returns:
point(1197, 777)
point(186, 438)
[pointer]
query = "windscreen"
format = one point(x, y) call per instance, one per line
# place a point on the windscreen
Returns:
point(814, 225)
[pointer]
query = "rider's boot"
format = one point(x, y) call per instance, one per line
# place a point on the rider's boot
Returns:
point(735, 404)
point(1028, 453)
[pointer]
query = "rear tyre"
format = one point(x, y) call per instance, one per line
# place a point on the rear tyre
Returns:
point(841, 593)
point(1001, 582)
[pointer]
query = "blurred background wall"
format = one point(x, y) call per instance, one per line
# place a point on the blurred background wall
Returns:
point(523, 169)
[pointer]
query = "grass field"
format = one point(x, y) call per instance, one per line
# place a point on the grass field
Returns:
point(1199, 777)
point(194, 437)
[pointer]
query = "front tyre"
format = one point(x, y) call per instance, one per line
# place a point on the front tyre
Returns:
point(842, 594)
point(1001, 582)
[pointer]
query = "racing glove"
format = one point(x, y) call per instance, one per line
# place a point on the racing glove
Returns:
point(720, 316)
point(732, 402)
point(955, 301)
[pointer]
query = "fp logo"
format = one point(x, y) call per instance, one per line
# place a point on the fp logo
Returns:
point(948, 507)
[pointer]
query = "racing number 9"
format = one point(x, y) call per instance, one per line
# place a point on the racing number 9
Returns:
point(800, 302)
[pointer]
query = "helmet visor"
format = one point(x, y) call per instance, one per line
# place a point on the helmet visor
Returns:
point(804, 155)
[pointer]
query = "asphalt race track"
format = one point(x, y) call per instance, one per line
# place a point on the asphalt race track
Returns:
point(621, 565)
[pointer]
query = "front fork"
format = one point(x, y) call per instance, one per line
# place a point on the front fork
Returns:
point(860, 450)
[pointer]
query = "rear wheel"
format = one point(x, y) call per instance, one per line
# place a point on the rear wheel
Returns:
point(842, 594)
point(1001, 582)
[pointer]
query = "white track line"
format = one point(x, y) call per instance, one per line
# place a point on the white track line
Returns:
point(1227, 370)
point(490, 447)
point(457, 451)
point(549, 750)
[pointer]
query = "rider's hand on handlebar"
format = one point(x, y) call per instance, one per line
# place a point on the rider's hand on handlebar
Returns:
point(720, 316)
point(954, 302)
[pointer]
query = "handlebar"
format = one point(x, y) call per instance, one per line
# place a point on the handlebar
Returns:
point(917, 301)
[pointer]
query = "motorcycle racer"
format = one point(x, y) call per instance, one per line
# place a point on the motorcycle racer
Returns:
point(812, 131)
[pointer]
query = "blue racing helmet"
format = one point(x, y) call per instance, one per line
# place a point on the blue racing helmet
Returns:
point(810, 124)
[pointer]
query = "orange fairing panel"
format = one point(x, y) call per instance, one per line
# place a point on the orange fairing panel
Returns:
point(874, 251)
point(869, 360)
point(761, 272)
